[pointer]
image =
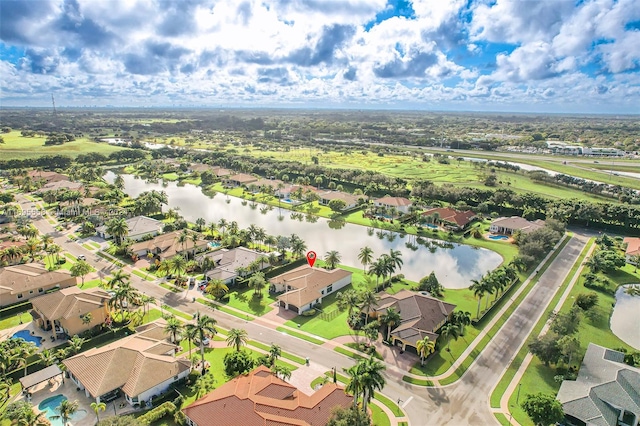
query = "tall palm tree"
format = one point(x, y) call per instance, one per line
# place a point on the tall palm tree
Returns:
point(366, 378)
point(425, 346)
point(378, 269)
point(173, 327)
point(205, 326)
point(391, 318)
point(32, 247)
point(183, 238)
point(97, 407)
point(118, 228)
point(365, 256)
point(189, 332)
point(118, 278)
point(212, 229)
point(200, 223)
point(461, 320)
point(217, 288)
point(178, 265)
point(332, 258)
point(349, 300)
point(223, 224)
point(368, 300)
point(395, 259)
point(274, 353)
point(257, 282)
point(65, 411)
point(478, 289)
point(237, 337)
point(449, 331)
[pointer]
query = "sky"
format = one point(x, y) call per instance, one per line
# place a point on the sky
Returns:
point(556, 56)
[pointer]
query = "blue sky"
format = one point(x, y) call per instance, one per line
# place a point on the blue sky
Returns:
point(516, 55)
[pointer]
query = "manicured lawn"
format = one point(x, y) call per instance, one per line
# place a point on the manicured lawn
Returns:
point(152, 315)
point(18, 147)
point(300, 336)
point(242, 299)
point(171, 288)
point(93, 283)
point(286, 355)
point(379, 417)
point(170, 176)
point(144, 275)
point(225, 309)
point(15, 320)
point(177, 312)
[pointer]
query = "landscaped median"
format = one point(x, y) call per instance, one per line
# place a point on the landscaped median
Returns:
point(446, 365)
point(506, 379)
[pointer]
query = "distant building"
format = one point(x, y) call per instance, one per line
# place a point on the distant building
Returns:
point(23, 282)
point(260, 398)
point(451, 218)
point(305, 286)
point(240, 179)
point(605, 393)
point(350, 200)
point(509, 225)
point(59, 185)
point(139, 227)
point(632, 250)
point(46, 177)
point(401, 204)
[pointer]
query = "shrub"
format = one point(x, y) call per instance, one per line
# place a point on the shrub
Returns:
point(311, 312)
point(157, 413)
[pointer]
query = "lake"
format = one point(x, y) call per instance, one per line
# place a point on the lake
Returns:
point(625, 319)
point(455, 267)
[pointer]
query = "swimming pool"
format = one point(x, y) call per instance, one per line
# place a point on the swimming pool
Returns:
point(48, 406)
point(213, 244)
point(287, 200)
point(26, 335)
point(498, 237)
point(431, 225)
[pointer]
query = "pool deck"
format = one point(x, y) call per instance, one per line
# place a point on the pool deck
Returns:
point(57, 386)
point(32, 328)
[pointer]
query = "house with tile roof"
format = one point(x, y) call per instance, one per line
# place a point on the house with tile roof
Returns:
point(350, 200)
point(240, 179)
point(67, 311)
point(23, 282)
point(420, 316)
point(260, 398)
point(632, 250)
point(229, 261)
point(605, 393)
point(510, 225)
point(168, 245)
point(400, 204)
point(62, 185)
point(138, 226)
point(451, 218)
point(141, 366)
point(46, 177)
point(304, 287)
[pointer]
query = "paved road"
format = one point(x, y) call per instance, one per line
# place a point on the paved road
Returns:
point(465, 402)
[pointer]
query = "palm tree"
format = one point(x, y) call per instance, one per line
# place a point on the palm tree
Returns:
point(97, 407)
point(47, 357)
point(32, 247)
point(377, 268)
point(366, 378)
point(237, 337)
point(189, 332)
point(173, 327)
point(478, 289)
point(212, 228)
point(200, 222)
point(75, 344)
point(395, 260)
point(177, 265)
point(274, 353)
point(124, 292)
point(65, 411)
point(118, 278)
point(80, 269)
point(349, 300)
point(183, 238)
point(461, 320)
point(118, 228)
point(449, 331)
point(355, 386)
point(257, 282)
point(425, 346)
point(205, 326)
point(365, 256)
point(281, 371)
point(223, 224)
point(368, 300)
point(391, 318)
point(217, 288)
point(332, 258)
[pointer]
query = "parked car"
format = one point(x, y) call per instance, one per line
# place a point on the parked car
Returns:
point(82, 257)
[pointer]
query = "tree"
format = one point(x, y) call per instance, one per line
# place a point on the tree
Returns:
point(80, 269)
point(189, 332)
point(586, 301)
point(118, 278)
point(546, 348)
point(75, 344)
point(178, 265)
point(274, 353)
point(461, 320)
point(237, 338)
point(281, 371)
point(332, 258)
point(569, 346)
point(173, 327)
point(337, 205)
point(21, 414)
point(47, 357)
point(368, 301)
point(97, 407)
point(341, 416)
point(238, 362)
point(448, 332)
point(390, 319)
point(365, 256)
point(119, 421)
point(65, 411)
point(366, 377)
point(566, 324)
point(200, 223)
point(543, 409)
point(478, 289)
point(205, 326)
point(432, 285)
point(118, 228)
point(348, 300)
point(257, 282)
point(425, 346)
point(217, 289)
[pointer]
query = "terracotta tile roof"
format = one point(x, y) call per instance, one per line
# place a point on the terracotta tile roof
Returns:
point(243, 178)
point(62, 184)
point(47, 176)
point(339, 195)
point(261, 399)
point(633, 246)
point(70, 302)
point(7, 244)
point(394, 201)
point(518, 223)
point(307, 282)
point(460, 218)
point(131, 363)
point(420, 315)
point(168, 244)
point(29, 276)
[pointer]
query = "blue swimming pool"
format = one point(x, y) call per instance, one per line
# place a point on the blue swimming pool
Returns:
point(26, 335)
point(48, 406)
point(213, 244)
point(287, 200)
point(431, 225)
point(498, 237)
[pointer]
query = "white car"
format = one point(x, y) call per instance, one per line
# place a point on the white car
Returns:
point(82, 257)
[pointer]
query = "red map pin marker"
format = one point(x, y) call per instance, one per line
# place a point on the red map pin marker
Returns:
point(311, 258)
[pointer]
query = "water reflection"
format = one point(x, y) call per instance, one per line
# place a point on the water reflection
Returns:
point(625, 319)
point(454, 264)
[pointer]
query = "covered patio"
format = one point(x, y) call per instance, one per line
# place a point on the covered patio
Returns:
point(41, 376)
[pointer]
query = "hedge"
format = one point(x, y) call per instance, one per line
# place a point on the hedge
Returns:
point(20, 307)
point(157, 413)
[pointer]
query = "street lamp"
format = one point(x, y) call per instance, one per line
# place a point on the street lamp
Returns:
point(518, 394)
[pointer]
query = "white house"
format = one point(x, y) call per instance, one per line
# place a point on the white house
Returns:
point(139, 227)
point(401, 204)
point(228, 261)
point(140, 366)
point(509, 225)
point(632, 250)
point(305, 286)
point(350, 200)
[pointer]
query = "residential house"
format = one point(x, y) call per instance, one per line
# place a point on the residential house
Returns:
point(451, 218)
point(139, 227)
point(221, 172)
point(23, 282)
point(420, 316)
point(141, 366)
point(12, 257)
point(258, 185)
point(228, 262)
point(350, 200)
point(46, 177)
point(288, 191)
point(632, 250)
point(168, 245)
point(509, 225)
point(260, 398)
point(305, 286)
point(400, 204)
point(199, 168)
point(62, 185)
point(606, 391)
point(240, 179)
point(71, 310)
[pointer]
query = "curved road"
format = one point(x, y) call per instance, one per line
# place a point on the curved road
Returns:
point(465, 402)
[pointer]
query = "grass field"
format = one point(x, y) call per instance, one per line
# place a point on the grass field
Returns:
point(18, 147)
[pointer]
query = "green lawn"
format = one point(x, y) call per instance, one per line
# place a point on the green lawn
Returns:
point(300, 336)
point(20, 148)
point(241, 298)
point(15, 320)
point(152, 315)
point(92, 283)
point(225, 309)
point(177, 312)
